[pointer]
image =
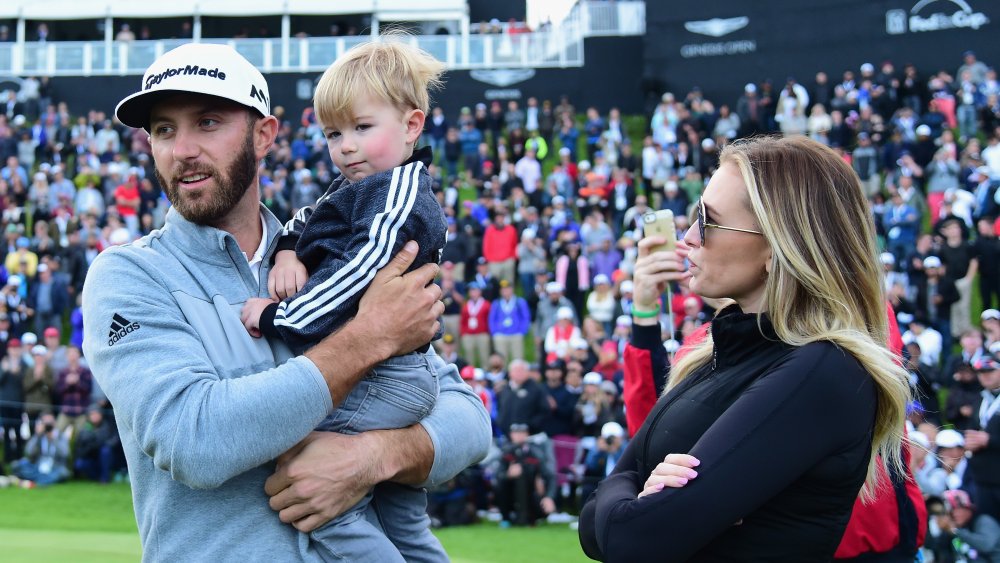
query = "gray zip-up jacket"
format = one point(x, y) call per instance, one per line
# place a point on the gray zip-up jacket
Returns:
point(203, 408)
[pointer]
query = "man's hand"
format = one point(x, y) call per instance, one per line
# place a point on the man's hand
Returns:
point(400, 309)
point(323, 476)
point(514, 471)
point(548, 505)
point(250, 315)
point(946, 524)
point(327, 473)
point(397, 315)
point(287, 277)
point(976, 440)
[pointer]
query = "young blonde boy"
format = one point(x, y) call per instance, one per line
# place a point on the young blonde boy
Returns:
point(372, 104)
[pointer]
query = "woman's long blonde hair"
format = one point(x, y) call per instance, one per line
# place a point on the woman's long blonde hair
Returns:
point(825, 283)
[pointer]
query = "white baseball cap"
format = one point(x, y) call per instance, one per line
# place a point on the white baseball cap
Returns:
point(985, 315)
point(201, 68)
point(949, 438)
point(612, 429)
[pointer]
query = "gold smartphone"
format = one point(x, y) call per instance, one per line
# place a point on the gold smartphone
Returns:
point(660, 223)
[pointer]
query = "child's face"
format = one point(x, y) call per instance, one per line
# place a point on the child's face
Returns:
point(377, 138)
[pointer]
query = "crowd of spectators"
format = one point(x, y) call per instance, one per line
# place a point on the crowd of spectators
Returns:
point(543, 209)
point(544, 205)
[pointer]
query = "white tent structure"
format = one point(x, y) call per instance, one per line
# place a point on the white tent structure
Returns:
point(558, 47)
point(286, 53)
point(380, 10)
point(385, 10)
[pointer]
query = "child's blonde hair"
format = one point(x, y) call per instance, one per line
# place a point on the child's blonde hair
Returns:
point(388, 69)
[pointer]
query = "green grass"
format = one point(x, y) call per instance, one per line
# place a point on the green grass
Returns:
point(75, 506)
point(90, 523)
point(487, 543)
point(57, 546)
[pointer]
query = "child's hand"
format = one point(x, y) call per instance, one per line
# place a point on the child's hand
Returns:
point(287, 276)
point(250, 315)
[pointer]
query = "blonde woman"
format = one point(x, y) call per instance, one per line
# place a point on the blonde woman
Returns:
point(601, 303)
point(769, 428)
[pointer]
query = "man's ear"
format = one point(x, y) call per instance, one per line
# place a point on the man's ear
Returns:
point(414, 121)
point(265, 130)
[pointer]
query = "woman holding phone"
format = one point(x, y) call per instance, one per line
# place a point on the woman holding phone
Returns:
point(770, 427)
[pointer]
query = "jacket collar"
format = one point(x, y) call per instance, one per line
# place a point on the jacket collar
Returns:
point(422, 154)
point(738, 336)
point(212, 243)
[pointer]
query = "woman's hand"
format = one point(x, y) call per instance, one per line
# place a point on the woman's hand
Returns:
point(654, 270)
point(675, 471)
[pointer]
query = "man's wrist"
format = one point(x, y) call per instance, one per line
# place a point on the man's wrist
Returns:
point(384, 466)
point(346, 356)
point(403, 455)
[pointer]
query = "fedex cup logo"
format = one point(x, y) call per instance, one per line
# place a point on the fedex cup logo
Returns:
point(919, 19)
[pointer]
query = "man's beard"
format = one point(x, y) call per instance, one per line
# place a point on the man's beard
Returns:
point(207, 208)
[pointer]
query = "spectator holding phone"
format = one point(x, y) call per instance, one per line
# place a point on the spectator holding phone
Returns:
point(800, 336)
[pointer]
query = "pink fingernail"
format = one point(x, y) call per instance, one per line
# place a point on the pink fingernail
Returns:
point(659, 487)
point(692, 473)
point(695, 462)
point(682, 481)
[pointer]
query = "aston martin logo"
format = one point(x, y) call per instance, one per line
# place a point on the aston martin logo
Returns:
point(962, 5)
point(503, 77)
point(717, 27)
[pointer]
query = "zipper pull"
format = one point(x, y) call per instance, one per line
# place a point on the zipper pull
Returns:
point(715, 357)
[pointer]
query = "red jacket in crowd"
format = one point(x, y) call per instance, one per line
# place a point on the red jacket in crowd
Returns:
point(475, 317)
point(499, 244)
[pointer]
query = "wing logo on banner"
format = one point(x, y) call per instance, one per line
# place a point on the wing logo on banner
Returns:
point(717, 27)
point(503, 77)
